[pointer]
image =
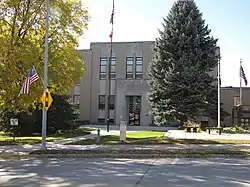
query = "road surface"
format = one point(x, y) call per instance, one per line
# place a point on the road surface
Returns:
point(81, 172)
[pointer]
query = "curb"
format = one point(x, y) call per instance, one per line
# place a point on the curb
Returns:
point(141, 156)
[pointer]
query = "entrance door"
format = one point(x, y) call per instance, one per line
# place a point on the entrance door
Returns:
point(134, 110)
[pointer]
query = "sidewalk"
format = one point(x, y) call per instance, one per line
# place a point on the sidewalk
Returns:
point(25, 149)
point(61, 145)
point(180, 134)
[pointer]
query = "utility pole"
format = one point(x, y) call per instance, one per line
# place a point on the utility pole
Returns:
point(46, 46)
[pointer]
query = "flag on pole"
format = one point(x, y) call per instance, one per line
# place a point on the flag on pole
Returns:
point(112, 15)
point(242, 75)
point(112, 20)
point(32, 77)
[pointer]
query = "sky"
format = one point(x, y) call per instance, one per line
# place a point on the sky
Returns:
point(139, 20)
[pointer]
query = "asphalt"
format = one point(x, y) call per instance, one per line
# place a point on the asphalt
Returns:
point(125, 172)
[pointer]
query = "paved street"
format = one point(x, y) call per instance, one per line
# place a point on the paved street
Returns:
point(123, 172)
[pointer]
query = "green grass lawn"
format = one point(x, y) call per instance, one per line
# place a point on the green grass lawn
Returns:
point(8, 140)
point(144, 152)
point(153, 137)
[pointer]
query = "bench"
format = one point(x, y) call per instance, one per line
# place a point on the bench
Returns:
point(192, 129)
point(217, 128)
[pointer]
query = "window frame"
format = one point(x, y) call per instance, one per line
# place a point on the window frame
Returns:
point(129, 65)
point(112, 64)
point(74, 100)
point(103, 75)
point(138, 63)
point(101, 105)
point(111, 106)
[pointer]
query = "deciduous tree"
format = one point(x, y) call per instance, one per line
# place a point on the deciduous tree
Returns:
point(22, 33)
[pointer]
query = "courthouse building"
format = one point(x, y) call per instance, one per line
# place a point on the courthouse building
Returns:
point(128, 85)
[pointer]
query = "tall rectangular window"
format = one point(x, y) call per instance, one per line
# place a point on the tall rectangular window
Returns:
point(102, 102)
point(111, 102)
point(129, 67)
point(138, 67)
point(112, 67)
point(103, 67)
point(76, 99)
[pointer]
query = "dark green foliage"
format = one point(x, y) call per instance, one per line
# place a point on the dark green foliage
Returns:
point(61, 116)
point(185, 55)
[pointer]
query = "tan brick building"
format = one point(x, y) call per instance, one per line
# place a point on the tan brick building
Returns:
point(128, 87)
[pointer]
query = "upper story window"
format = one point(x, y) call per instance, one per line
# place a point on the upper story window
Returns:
point(78, 83)
point(112, 67)
point(138, 67)
point(129, 67)
point(236, 100)
point(103, 67)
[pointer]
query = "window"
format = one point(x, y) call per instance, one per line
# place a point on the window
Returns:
point(76, 99)
point(129, 67)
point(101, 120)
point(112, 67)
point(78, 83)
point(138, 67)
point(103, 67)
point(236, 100)
point(111, 102)
point(101, 102)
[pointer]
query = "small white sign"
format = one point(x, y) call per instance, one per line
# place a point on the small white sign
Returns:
point(14, 122)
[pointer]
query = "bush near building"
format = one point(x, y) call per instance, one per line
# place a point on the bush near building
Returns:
point(61, 116)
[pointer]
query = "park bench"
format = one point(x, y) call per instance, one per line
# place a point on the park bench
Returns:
point(216, 128)
point(192, 129)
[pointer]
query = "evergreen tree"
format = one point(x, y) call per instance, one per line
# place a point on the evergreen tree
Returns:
point(185, 55)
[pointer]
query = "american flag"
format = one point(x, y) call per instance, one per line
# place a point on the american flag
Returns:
point(32, 77)
point(242, 75)
point(112, 20)
point(112, 15)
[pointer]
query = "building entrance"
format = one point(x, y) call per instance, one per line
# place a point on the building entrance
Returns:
point(134, 110)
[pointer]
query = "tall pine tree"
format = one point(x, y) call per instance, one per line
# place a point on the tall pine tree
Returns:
point(181, 84)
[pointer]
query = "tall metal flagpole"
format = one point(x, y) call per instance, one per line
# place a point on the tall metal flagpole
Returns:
point(46, 45)
point(219, 83)
point(108, 80)
point(240, 83)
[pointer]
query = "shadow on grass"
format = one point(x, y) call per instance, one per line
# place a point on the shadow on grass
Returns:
point(31, 140)
point(114, 139)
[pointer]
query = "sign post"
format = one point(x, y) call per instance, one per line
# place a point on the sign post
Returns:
point(14, 123)
point(46, 101)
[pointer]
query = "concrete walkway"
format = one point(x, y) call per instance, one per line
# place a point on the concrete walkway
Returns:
point(25, 149)
point(61, 145)
point(180, 134)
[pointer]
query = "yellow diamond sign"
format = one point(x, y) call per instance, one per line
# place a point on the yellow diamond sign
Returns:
point(46, 100)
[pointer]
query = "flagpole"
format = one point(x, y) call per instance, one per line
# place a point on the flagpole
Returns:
point(219, 83)
point(44, 118)
point(240, 83)
point(108, 80)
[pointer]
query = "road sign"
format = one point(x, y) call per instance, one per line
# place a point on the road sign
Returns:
point(46, 100)
point(14, 122)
